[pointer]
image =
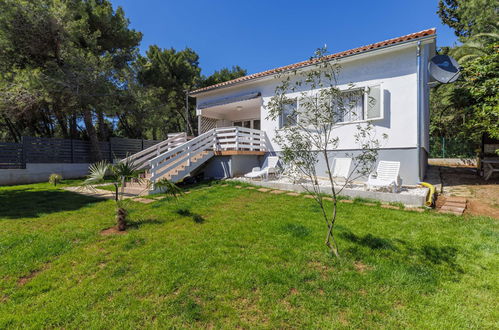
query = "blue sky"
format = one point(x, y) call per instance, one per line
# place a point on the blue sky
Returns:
point(260, 35)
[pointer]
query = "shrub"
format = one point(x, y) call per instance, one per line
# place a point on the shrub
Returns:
point(55, 178)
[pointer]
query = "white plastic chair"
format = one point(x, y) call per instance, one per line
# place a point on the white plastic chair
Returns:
point(341, 168)
point(270, 169)
point(386, 176)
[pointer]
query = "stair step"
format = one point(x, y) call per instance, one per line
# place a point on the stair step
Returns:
point(455, 199)
point(452, 208)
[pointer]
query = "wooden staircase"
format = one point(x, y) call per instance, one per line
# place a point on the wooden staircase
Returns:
point(183, 169)
point(173, 160)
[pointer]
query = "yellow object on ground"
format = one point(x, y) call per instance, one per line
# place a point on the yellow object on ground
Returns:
point(431, 194)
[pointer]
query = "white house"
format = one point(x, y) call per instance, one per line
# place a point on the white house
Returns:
point(236, 135)
point(396, 72)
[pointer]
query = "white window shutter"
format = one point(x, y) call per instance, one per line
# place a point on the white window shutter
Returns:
point(374, 102)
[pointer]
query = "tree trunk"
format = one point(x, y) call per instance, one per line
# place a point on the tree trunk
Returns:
point(73, 127)
point(92, 134)
point(61, 120)
point(121, 218)
point(13, 131)
point(102, 126)
point(154, 134)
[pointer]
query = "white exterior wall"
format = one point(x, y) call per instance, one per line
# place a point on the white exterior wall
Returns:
point(397, 76)
point(395, 70)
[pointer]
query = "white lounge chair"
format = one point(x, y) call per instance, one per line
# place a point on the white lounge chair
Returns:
point(269, 169)
point(386, 176)
point(341, 168)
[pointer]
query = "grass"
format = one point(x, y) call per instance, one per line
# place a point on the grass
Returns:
point(227, 257)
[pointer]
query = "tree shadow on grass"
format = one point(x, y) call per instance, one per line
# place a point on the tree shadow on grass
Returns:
point(370, 241)
point(32, 203)
point(296, 230)
point(197, 218)
point(441, 259)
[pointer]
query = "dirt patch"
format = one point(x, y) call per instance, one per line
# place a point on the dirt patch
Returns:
point(399, 305)
point(476, 207)
point(112, 231)
point(323, 269)
point(25, 279)
point(360, 267)
point(342, 317)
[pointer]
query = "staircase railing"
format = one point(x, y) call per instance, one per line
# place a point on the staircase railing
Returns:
point(217, 139)
point(143, 157)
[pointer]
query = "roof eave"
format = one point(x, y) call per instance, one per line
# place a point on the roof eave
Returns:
point(270, 75)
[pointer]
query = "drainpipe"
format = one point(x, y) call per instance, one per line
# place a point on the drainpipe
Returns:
point(419, 112)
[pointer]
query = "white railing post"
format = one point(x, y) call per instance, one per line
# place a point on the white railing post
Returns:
point(237, 138)
point(215, 137)
point(188, 156)
point(251, 138)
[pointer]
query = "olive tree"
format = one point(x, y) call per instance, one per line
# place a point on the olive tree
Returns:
point(311, 107)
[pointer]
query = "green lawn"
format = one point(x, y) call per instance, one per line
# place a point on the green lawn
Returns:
point(228, 257)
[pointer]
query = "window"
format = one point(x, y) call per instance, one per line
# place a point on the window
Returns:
point(359, 104)
point(350, 107)
point(256, 124)
point(250, 123)
point(289, 114)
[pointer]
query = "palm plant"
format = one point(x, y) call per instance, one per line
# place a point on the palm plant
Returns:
point(120, 173)
point(476, 45)
point(169, 188)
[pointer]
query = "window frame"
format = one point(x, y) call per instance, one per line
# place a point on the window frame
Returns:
point(365, 105)
point(281, 116)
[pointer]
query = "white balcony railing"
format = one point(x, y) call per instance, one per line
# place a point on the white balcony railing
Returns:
point(215, 140)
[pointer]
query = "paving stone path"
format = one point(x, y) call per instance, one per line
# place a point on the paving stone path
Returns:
point(106, 194)
point(454, 205)
point(349, 201)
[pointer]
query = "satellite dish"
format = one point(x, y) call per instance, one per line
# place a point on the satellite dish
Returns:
point(444, 69)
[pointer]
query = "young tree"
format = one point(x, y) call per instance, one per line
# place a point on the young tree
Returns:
point(121, 173)
point(309, 106)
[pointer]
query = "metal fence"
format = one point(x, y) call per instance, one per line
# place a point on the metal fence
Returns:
point(441, 147)
point(51, 150)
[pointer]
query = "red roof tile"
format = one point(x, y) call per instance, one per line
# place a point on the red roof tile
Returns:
point(357, 50)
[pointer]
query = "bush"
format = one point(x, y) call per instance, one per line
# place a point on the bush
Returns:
point(55, 178)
